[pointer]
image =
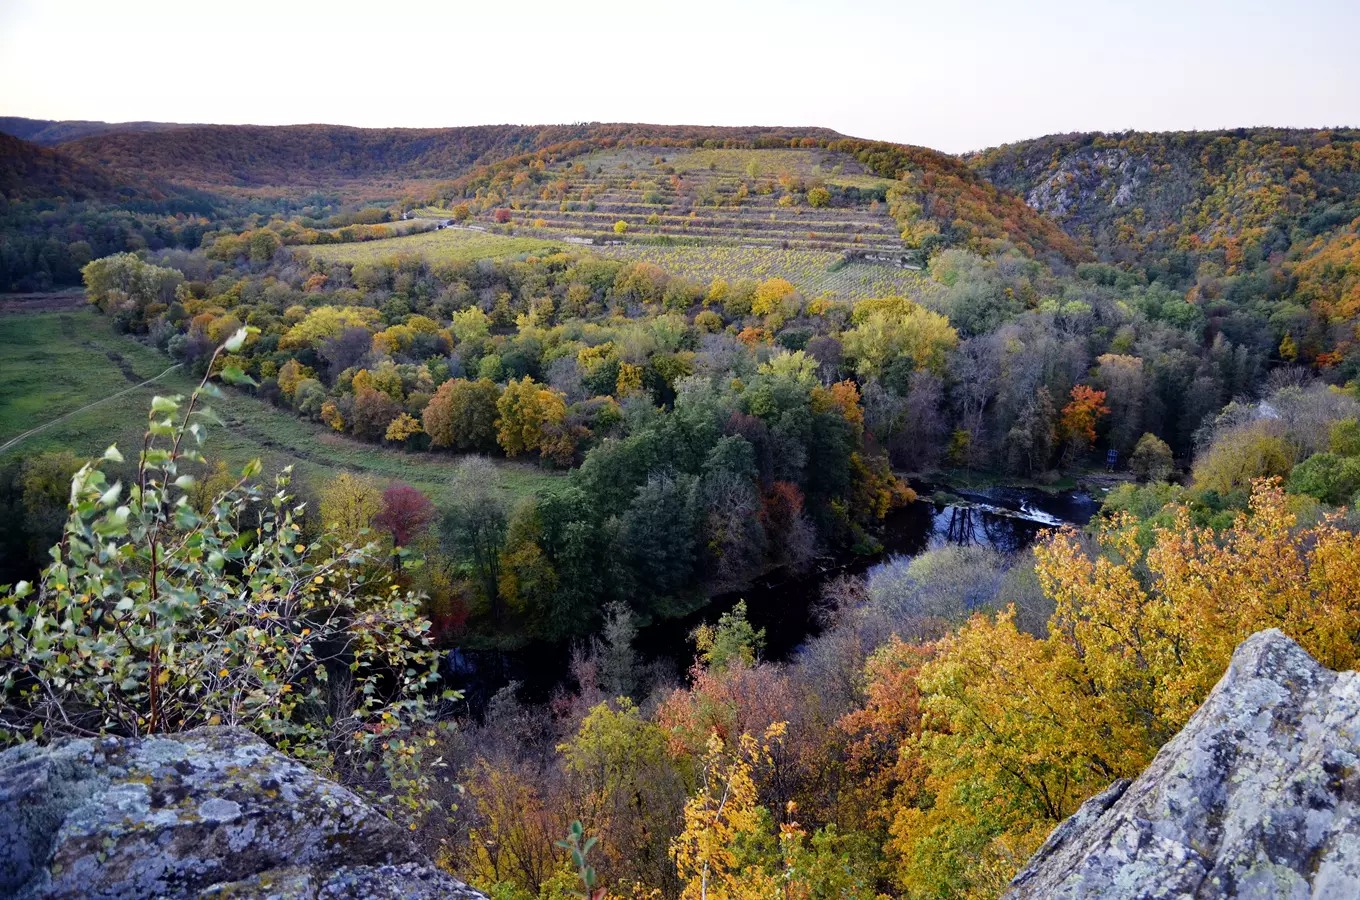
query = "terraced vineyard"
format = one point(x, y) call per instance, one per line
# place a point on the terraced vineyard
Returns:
point(751, 198)
point(815, 217)
point(814, 272)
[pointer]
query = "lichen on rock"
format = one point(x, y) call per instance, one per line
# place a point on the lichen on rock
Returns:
point(210, 813)
point(1258, 796)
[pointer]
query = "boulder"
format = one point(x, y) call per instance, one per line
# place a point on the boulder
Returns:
point(209, 813)
point(1257, 797)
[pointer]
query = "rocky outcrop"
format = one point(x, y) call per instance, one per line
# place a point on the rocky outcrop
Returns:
point(211, 813)
point(1258, 796)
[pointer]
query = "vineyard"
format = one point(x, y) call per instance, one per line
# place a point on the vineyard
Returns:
point(814, 272)
point(814, 217)
point(786, 199)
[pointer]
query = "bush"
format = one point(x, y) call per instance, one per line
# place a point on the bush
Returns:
point(1151, 459)
point(155, 617)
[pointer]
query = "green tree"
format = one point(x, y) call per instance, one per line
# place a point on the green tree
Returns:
point(1151, 459)
point(474, 524)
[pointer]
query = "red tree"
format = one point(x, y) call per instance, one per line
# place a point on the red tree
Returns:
point(406, 512)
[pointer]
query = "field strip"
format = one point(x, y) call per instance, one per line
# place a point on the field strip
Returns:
point(33, 431)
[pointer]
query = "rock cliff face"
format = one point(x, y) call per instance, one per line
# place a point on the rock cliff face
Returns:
point(1258, 796)
point(210, 813)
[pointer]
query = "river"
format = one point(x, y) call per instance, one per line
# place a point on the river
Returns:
point(784, 603)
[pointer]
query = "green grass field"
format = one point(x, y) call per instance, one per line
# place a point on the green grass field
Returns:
point(451, 245)
point(54, 363)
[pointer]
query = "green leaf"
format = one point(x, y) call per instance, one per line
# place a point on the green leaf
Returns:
point(163, 404)
point(233, 375)
point(235, 341)
point(124, 605)
point(112, 454)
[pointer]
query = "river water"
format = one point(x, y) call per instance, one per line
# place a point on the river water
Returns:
point(784, 603)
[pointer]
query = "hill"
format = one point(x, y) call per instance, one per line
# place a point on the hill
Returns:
point(30, 172)
point(313, 156)
point(1167, 201)
point(50, 132)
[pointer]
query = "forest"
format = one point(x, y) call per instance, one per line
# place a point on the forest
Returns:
point(703, 405)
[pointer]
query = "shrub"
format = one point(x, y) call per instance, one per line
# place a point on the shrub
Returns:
point(154, 617)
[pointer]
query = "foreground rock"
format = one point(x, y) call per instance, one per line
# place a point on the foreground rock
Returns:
point(1258, 796)
point(210, 813)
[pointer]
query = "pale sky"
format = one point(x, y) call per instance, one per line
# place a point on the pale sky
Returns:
point(953, 76)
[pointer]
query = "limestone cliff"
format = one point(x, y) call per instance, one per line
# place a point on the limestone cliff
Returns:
point(210, 813)
point(1258, 796)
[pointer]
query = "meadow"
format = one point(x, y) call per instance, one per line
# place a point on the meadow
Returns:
point(448, 245)
point(55, 363)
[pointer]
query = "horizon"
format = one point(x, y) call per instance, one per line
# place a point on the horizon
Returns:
point(1003, 75)
point(868, 137)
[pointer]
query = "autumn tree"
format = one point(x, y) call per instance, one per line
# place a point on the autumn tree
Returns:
point(722, 810)
point(526, 413)
point(473, 525)
point(405, 513)
point(1022, 729)
point(1077, 425)
point(463, 414)
point(349, 505)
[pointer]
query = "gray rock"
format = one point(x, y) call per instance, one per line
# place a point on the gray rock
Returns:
point(1257, 797)
point(211, 813)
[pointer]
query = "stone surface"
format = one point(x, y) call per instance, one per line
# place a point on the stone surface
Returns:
point(1257, 797)
point(210, 813)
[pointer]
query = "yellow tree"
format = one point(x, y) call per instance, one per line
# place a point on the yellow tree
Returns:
point(722, 810)
point(1020, 730)
point(348, 506)
point(525, 410)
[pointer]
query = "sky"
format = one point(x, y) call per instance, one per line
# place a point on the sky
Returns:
point(951, 76)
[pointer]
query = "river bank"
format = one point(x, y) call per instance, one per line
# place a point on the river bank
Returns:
point(784, 603)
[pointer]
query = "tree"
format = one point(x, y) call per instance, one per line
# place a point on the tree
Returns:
point(473, 525)
point(1077, 426)
point(154, 617)
point(1257, 449)
point(819, 197)
point(732, 640)
point(717, 816)
point(44, 483)
point(631, 789)
point(404, 427)
point(349, 505)
point(620, 227)
point(405, 513)
point(1330, 478)
point(770, 295)
point(888, 328)
point(373, 413)
point(1152, 459)
point(1020, 729)
point(463, 414)
point(525, 409)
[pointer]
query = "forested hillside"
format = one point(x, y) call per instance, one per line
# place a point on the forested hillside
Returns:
point(1251, 223)
point(50, 132)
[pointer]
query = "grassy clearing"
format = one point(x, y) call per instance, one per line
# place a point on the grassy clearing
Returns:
point(449, 245)
point(55, 363)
